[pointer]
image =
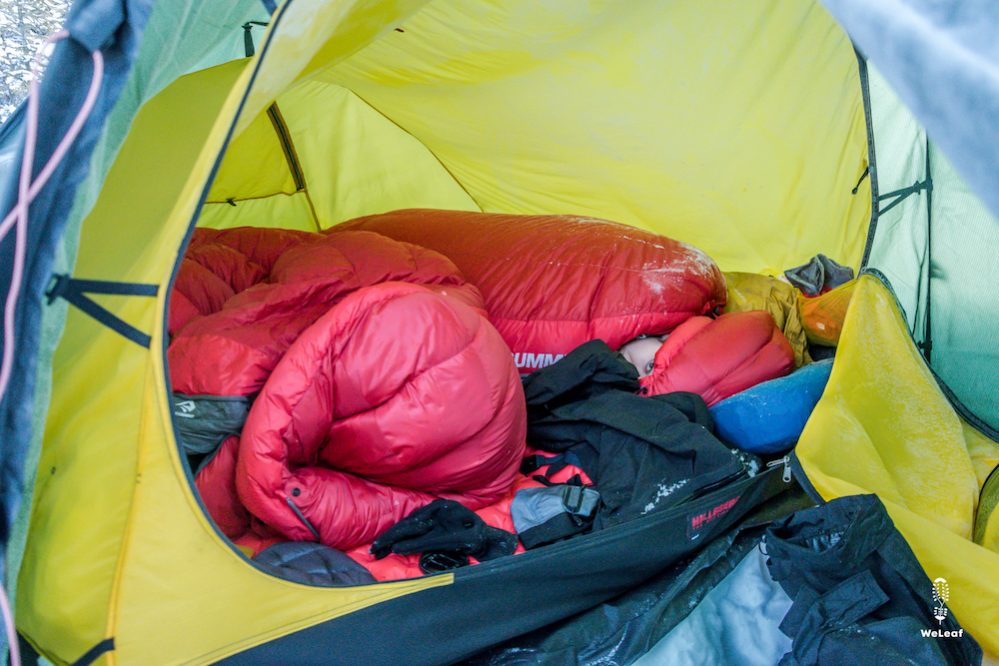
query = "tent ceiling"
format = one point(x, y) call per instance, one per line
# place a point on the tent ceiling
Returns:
point(740, 129)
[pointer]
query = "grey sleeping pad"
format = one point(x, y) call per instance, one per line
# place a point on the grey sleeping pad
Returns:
point(544, 515)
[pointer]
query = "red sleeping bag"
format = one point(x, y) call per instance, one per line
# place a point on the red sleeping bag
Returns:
point(553, 282)
point(357, 426)
point(232, 351)
point(219, 264)
point(378, 385)
point(717, 358)
point(373, 396)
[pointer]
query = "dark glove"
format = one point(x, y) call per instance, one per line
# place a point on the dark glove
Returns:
point(444, 525)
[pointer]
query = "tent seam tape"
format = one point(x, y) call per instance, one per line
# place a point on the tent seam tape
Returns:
point(291, 157)
point(312, 208)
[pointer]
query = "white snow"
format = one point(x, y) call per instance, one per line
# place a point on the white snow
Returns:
point(662, 492)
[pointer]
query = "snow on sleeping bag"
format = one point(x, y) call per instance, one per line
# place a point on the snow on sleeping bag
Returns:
point(716, 358)
point(553, 282)
point(375, 396)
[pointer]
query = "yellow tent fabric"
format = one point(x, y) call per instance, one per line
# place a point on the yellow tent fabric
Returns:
point(673, 117)
point(118, 545)
point(630, 107)
point(987, 516)
point(354, 161)
point(884, 426)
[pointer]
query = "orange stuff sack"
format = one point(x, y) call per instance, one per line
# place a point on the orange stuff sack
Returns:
point(823, 315)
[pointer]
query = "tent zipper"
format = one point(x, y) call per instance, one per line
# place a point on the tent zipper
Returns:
point(716, 485)
point(786, 461)
point(594, 539)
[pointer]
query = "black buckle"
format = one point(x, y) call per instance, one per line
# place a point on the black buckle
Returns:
point(439, 561)
point(56, 287)
point(572, 498)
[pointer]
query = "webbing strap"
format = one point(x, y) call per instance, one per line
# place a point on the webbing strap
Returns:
point(904, 193)
point(105, 646)
point(867, 172)
point(248, 47)
point(74, 292)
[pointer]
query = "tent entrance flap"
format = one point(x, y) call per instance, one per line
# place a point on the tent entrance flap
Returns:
point(883, 425)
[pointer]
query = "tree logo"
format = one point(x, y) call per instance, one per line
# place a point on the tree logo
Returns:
point(941, 595)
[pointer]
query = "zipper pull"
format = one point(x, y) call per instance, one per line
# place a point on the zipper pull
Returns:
point(786, 461)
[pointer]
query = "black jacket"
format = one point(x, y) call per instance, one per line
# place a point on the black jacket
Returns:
point(643, 454)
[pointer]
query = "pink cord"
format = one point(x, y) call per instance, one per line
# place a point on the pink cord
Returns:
point(27, 191)
point(8, 620)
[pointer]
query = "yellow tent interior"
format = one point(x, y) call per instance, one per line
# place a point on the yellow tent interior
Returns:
point(738, 127)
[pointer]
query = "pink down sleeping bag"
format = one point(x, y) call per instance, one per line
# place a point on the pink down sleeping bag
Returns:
point(552, 282)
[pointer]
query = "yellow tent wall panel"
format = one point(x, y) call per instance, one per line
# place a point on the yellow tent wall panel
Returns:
point(673, 118)
point(354, 162)
point(884, 426)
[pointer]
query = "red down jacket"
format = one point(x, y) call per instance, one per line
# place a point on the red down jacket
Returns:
point(553, 282)
point(374, 395)
point(717, 358)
